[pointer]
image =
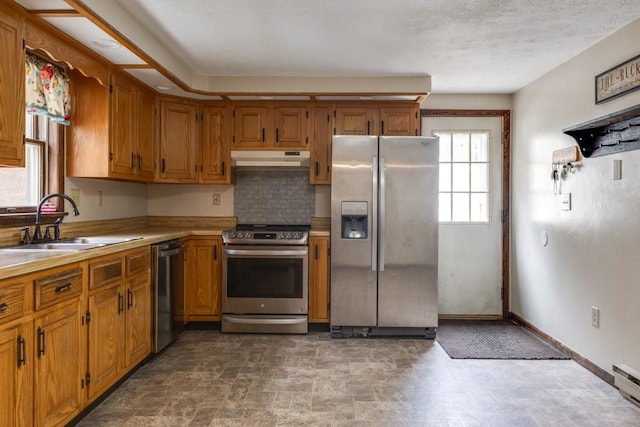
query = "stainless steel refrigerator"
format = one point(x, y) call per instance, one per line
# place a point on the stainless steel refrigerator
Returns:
point(384, 236)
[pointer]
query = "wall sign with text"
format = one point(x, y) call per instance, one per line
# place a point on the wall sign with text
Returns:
point(618, 81)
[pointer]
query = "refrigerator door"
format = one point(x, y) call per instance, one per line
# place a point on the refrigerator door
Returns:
point(408, 239)
point(353, 258)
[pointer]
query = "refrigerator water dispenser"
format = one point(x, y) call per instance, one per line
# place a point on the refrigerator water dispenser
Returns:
point(354, 220)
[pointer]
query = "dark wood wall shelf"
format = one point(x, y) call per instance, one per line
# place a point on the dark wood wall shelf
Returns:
point(613, 133)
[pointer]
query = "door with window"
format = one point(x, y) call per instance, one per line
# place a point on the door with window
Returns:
point(470, 203)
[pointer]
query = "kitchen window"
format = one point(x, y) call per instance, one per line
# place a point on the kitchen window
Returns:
point(464, 176)
point(22, 188)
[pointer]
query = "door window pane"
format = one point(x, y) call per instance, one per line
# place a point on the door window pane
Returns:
point(464, 176)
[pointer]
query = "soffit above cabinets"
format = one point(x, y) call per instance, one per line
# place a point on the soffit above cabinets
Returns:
point(129, 57)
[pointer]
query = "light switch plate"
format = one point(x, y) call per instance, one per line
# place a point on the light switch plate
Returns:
point(565, 201)
point(617, 169)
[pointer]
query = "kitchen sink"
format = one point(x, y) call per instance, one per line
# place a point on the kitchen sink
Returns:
point(97, 240)
point(73, 244)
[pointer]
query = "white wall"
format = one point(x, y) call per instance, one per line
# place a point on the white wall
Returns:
point(467, 102)
point(189, 200)
point(119, 199)
point(592, 255)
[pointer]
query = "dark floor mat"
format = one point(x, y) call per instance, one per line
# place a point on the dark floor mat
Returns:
point(489, 339)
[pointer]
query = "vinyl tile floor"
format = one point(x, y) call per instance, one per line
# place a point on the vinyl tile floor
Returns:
point(211, 379)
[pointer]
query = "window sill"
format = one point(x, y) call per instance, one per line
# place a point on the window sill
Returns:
point(28, 218)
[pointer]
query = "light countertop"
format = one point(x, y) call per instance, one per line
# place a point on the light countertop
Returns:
point(29, 261)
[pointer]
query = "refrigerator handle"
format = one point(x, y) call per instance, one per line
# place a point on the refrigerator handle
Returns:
point(381, 226)
point(374, 215)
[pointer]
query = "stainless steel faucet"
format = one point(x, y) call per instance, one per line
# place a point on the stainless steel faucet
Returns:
point(37, 233)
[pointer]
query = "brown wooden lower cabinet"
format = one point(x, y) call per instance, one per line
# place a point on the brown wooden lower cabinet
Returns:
point(119, 317)
point(319, 279)
point(64, 342)
point(59, 365)
point(16, 380)
point(203, 277)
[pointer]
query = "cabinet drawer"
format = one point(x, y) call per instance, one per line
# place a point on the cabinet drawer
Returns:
point(11, 302)
point(138, 262)
point(58, 287)
point(104, 272)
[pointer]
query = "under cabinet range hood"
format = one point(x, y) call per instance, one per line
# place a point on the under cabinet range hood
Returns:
point(270, 158)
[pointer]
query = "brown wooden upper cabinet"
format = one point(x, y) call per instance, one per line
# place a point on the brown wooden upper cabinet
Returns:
point(113, 130)
point(322, 125)
point(259, 126)
point(133, 119)
point(215, 166)
point(178, 141)
point(12, 89)
point(377, 120)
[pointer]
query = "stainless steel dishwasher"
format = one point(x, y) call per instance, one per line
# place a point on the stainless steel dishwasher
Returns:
point(168, 293)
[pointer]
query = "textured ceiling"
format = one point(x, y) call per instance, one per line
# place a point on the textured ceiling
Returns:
point(467, 46)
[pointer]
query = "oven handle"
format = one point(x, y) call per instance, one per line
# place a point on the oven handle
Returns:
point(254, 321)
point(278, 252)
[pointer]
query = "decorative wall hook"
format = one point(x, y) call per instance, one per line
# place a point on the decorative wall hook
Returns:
point(563, 162)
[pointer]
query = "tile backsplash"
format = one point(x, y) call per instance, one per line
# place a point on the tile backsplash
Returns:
point(273, 196)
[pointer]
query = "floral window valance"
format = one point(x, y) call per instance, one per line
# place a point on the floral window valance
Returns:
point(47, 87)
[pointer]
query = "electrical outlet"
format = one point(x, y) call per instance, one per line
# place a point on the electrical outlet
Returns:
point(595, 317)
point(216, 199)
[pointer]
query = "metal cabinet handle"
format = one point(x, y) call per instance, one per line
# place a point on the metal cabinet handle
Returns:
point(129, 299)
point(317, 169)
point(162, 167)
point(64, 288)
point(277, 135)
point(120, 303)
point(263, 134)
point(382, 127)
point(224, 169)
point(41, 342)
point(215, 252)
point(315, 251)
point(368, 127)
point(133, 160)
point(22, 351)
point(4, 307)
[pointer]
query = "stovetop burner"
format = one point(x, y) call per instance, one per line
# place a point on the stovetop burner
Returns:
point(267, 234)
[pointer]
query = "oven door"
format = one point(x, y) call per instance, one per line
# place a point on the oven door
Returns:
point(265, 280)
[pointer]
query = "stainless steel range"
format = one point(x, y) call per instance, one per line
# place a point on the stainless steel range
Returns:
point(265, 279)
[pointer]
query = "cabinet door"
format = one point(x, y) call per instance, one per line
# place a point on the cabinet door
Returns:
point(356, 121)
point(319, 279)
point(250, 126)
point(203, 273)
point(11, 89)
point(178, 141)
point(138, 320)
point(58, 366)
point(216, 162)
point(123, 161)
point(146, 136)
point(320, 170)
point(290, 127)
point(16, 404)
point(105, 336)
point(399, 121)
